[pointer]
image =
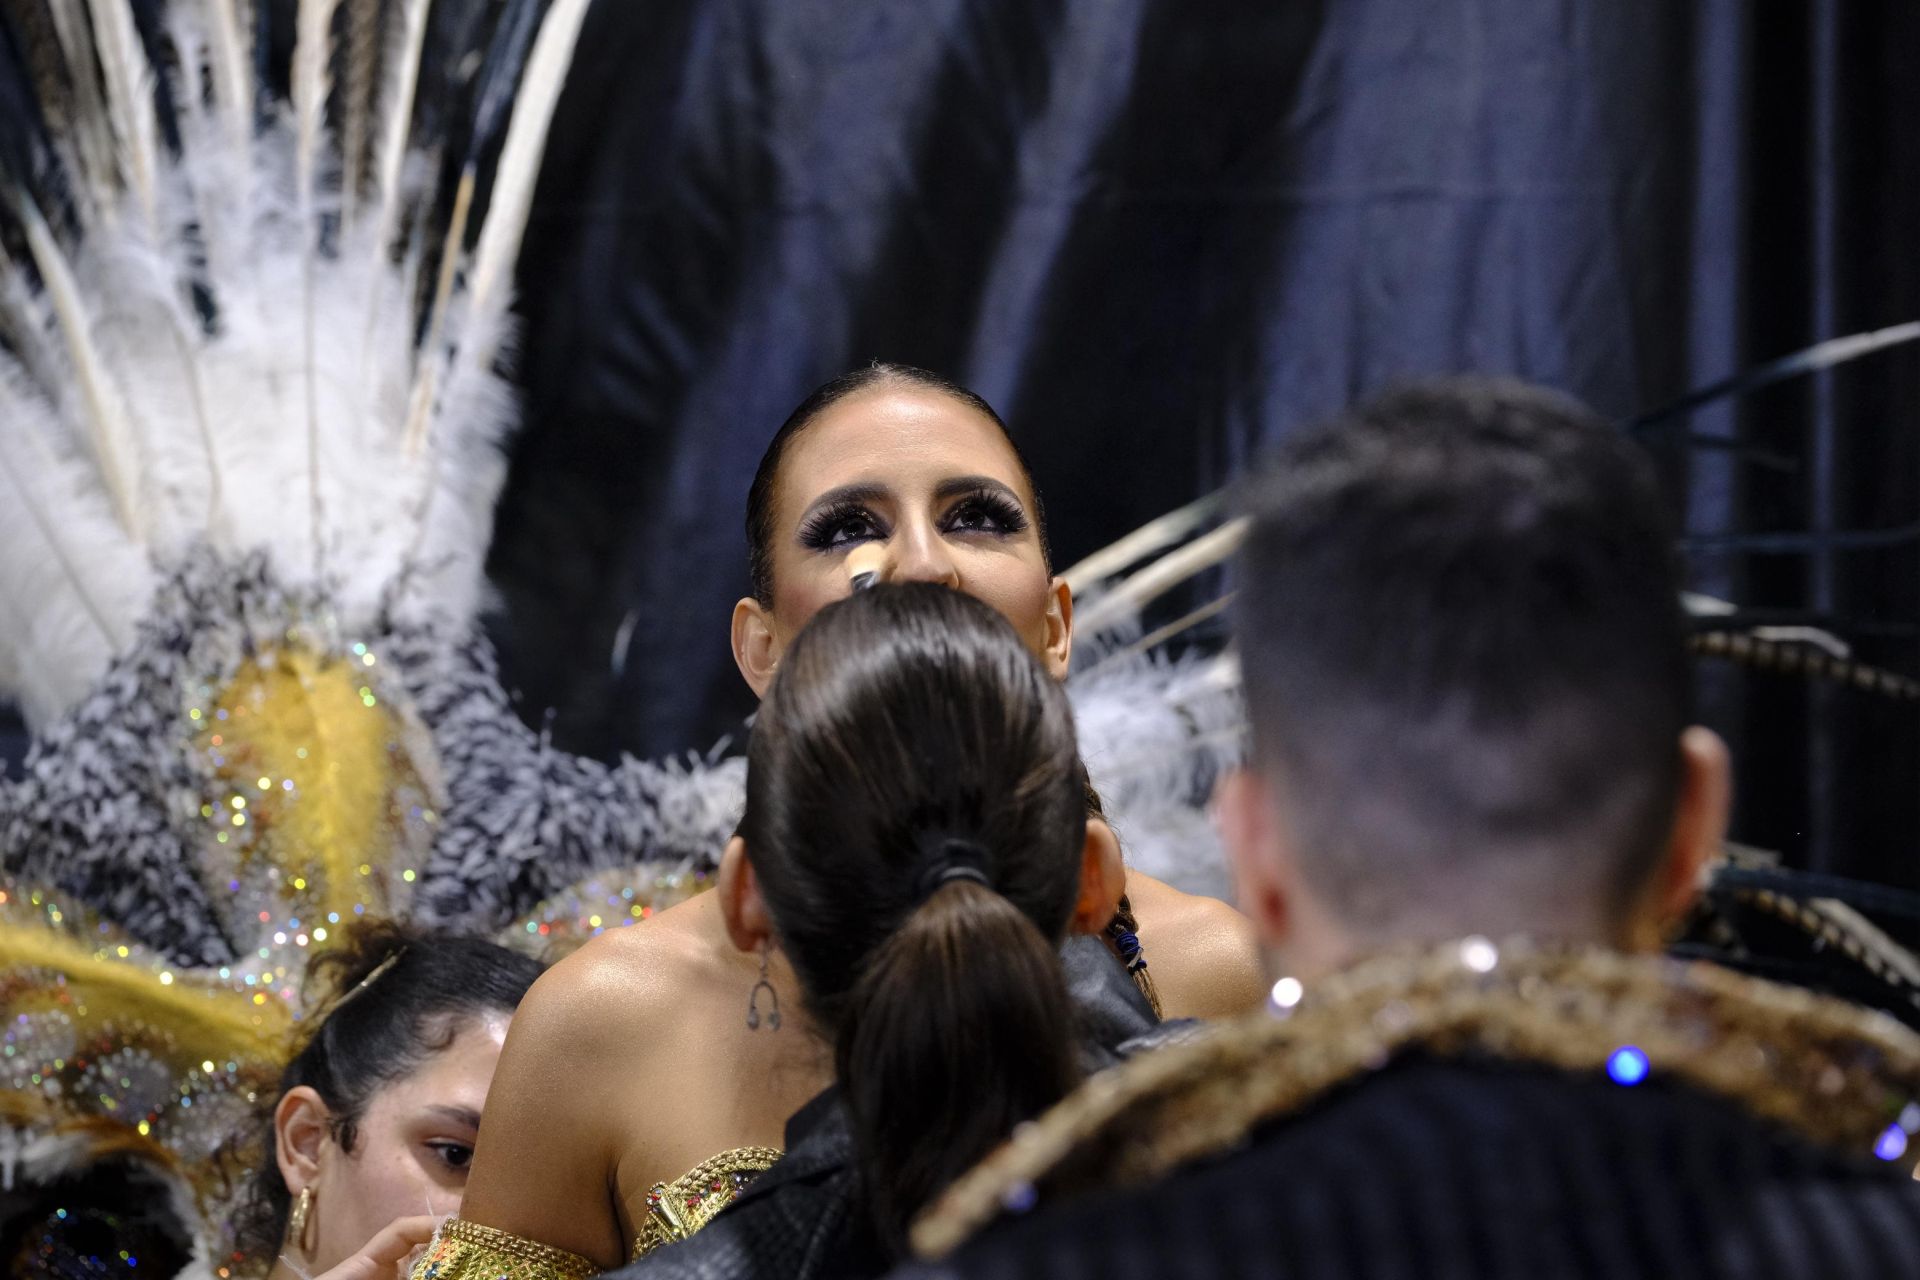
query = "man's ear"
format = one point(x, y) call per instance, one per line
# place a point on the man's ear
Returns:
point(302, 1126)
point(1103, 878)
point(749, 924)
point(756, 646)
point(1058, 653)
point(1697, 836)
point(1244, 812)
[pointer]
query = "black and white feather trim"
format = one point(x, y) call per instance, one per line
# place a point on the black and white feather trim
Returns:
point(108, 809)
point(524, 820)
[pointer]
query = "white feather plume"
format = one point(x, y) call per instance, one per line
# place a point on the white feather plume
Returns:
point(311, 81)
point(92, 147)
point(1156, 734)
point(312, 61)
point(101, 409)
point(520, 154)
point(130, 82)
point(396, 113)
point(241, 409)
point(490, 278)
point(451, 393)
point(232, 76)
point(73, 578)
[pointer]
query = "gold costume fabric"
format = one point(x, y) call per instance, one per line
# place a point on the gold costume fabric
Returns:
point(469, 1251)
point(677, 1209)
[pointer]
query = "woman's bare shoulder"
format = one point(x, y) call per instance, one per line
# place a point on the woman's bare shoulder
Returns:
point(1204, 955)
point(631, 974)
point(578, 1052)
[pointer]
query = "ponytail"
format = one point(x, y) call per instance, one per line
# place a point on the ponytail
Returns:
point(916, 816)
point(958, 1030)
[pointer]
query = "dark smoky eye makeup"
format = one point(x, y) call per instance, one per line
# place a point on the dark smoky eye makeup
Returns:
point(840, 524)
point(986, 511)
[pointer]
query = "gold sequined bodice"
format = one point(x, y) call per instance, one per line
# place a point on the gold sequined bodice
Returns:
point(675, 1210)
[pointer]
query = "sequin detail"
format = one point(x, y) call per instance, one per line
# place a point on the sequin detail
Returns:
point(677, 1209)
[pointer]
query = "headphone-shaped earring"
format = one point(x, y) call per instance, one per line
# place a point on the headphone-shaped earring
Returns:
point(753, 997)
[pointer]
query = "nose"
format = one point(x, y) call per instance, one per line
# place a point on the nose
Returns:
point(921, 555)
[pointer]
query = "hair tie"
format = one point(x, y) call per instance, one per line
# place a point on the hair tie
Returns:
point(951, 858)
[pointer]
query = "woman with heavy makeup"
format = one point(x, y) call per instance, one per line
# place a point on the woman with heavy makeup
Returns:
point(368, 1141)
point(641, 1088)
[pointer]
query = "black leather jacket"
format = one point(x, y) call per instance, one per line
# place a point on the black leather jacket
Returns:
point(800, 1220)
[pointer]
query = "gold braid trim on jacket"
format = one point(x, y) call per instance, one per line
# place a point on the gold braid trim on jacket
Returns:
point(1834, 1073)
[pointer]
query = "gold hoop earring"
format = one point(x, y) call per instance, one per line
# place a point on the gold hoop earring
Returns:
point(297, 1219)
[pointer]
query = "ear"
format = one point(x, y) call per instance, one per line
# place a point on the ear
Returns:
point(1248, 821)
point(1058, 653)
point(749, 924)
point(1697, 836)
point(301, 1129)
point(756, 646)
point(1103, 878)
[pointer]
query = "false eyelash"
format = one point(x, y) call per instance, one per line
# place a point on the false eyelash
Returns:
point(997, 506)
point(817, 534)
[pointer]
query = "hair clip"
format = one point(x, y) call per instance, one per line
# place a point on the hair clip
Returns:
point(377, 972)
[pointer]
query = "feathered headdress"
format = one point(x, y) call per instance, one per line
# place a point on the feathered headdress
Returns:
point(249, 416)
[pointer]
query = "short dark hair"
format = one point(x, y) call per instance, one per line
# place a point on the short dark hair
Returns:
point(1464, 652)
point(375, 1034)
point(825, 396)
point(906, 722)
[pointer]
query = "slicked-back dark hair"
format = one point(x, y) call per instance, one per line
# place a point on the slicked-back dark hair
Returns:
point(1464, 654)
point(760, 493)
point(904, 718)
point(374, 1033)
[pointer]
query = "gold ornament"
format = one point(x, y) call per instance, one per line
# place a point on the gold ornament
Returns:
point(297, 1219)
point(315, 784)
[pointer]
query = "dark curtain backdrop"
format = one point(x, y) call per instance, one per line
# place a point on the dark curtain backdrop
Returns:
point(1161, 234)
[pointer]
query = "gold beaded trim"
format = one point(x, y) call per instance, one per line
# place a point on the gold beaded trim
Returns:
point(464, 1250)
point(1833, 1072)
point(677, 1209)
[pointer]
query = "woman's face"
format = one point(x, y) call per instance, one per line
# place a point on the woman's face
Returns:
point(921, 487)
point(410, 1149)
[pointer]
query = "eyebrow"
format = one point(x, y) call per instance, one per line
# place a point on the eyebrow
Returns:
point(459, 1115)
point(846, 495)
point(962, 485)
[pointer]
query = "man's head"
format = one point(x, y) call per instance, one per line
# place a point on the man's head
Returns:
point(1465, 663)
